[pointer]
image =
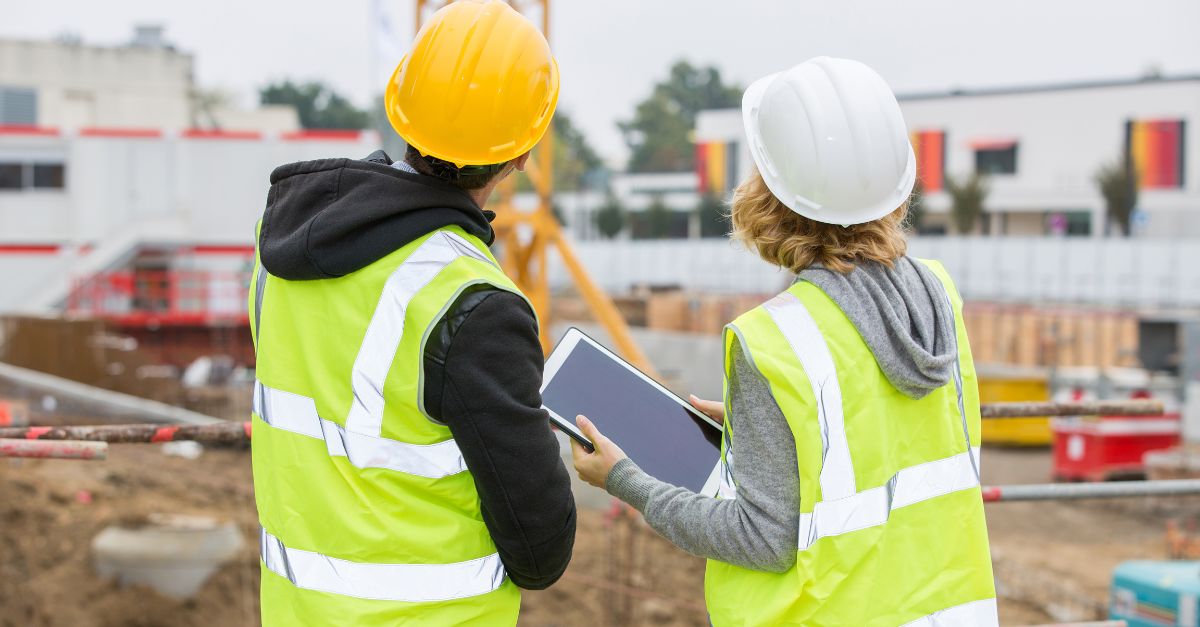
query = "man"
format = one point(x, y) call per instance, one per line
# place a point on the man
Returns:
point(404, 469)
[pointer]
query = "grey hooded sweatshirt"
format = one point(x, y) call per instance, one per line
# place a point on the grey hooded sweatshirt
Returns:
point(904, 317)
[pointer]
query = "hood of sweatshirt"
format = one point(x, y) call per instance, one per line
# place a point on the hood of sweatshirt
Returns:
point(330, 217)
point(903, 315)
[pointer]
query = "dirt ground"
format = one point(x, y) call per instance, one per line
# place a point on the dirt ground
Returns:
point(1053, 560)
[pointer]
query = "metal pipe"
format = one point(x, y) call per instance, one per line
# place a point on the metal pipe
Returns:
point(1076, 491)
point(231, 432)
point(224, 432)
point(1090, 408)
point(59, 449)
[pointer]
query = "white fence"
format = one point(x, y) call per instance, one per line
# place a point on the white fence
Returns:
point(1111, 271)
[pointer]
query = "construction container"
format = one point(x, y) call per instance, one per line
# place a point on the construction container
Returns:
point(1099, 448)
point(1152, 594)
point(1012, 383)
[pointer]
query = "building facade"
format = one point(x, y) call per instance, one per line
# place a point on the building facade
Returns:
point(1040, 148)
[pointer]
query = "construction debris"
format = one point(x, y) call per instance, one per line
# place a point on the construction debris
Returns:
point(173, 554)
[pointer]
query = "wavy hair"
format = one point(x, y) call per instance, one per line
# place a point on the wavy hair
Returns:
point(787, 239)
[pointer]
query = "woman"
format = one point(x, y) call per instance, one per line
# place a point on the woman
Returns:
point(851, 410)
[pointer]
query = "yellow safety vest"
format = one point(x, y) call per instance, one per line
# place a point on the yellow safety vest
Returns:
point(369, 515)
point(892, 525)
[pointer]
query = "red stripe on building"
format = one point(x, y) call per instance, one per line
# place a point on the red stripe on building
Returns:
point(195, 133)
point(29, 249)
point(24, 129)
point(1167, 157)
point(232, 249)
point(120, 132)
point(323, 134)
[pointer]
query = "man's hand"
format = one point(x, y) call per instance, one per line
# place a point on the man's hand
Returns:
point(712, 409)
point(594, 467)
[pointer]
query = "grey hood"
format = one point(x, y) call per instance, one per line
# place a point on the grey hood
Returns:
point(903, 315)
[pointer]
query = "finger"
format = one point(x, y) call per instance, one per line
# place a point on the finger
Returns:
point(589, 430)
point(710, 408)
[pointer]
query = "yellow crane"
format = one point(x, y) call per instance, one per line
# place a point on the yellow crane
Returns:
point(526, 237)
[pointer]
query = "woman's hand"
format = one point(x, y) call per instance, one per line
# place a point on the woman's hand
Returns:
point(594, 467)
point(712, 409)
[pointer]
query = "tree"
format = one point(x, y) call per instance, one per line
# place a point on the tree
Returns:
point(610, 218)
point(1118, 185)
point(714, 220)
point(654, 222)
point(574, 157)
point(659, 133)
point(317, 105)
point(967, 198)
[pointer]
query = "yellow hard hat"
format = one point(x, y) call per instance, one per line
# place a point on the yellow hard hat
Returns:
point(478, 87)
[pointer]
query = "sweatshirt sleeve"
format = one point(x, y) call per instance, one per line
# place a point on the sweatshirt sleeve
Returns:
point(490, 399)
point(756, 530)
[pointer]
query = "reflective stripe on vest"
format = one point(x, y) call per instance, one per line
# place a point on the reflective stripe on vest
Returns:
point(414, 583)
point(799, 328)
point(386, 328)
point(298, 414)
point(980, 613)
point(842, 509)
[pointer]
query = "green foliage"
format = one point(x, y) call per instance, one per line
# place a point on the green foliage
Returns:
point(967, 198)
point(610, 218)
point(714, 219)
point(654, 222)
point(317, 104)
point(1119, 186)
point(659, 133)
point(574, 157)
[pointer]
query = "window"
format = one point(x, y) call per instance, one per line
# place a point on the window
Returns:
point(996, 159)
point(18, 105)
point(12, 176)
point(17, 175)
point(48, 175)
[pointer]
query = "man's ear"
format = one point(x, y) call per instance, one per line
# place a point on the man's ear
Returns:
point(520, 162)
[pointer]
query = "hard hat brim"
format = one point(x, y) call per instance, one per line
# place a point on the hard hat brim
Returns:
point(751, 102)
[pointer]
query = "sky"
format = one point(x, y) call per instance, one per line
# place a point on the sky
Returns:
point(612, 51)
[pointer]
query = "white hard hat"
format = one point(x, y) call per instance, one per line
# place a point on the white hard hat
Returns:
point(829, 140)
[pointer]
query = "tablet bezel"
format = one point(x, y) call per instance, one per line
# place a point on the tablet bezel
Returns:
point(566, 346)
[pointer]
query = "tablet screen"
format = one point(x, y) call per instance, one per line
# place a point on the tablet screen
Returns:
point(651, 426)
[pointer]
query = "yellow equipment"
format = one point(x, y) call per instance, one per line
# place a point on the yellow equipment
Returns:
point(1008, 383)
point(478, 87)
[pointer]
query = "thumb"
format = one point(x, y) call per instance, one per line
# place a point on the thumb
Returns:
point(589, 430)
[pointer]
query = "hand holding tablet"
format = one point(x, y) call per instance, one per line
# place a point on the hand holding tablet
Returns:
point(632, 414)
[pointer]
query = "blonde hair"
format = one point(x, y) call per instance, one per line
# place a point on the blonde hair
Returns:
point(785, 238)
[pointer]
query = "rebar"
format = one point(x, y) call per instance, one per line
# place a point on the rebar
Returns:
point(227, 432)
point(1076, 491)
point(56, 449)
point(1089, 408)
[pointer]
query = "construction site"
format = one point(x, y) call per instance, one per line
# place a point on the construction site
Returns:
point(129, 195)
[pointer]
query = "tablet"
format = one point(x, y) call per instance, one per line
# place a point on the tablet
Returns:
point(660, 432)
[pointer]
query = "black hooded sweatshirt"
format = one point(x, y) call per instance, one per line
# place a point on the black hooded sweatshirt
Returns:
point(482, 362)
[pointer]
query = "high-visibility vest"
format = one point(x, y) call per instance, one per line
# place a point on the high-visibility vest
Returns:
point(891, 527)
point(369, 515)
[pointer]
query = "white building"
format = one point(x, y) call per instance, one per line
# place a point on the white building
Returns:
point(1041, 147)
point(147, 83)
point(77, 203)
